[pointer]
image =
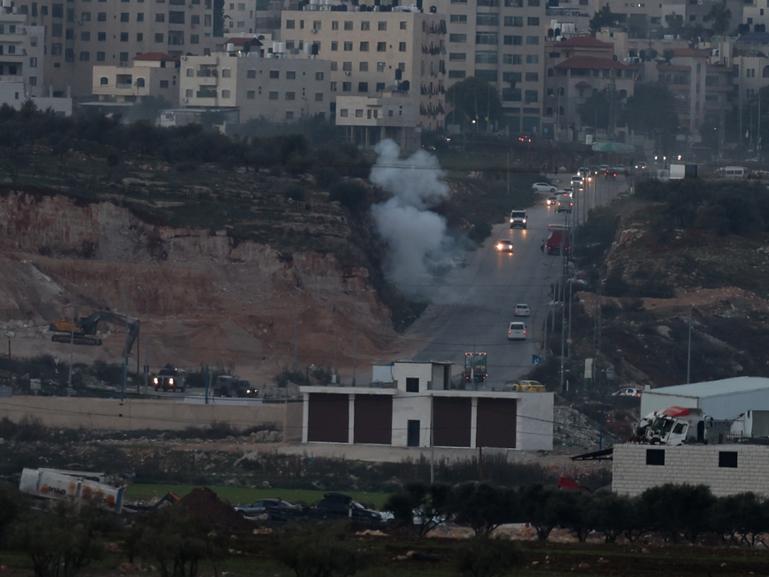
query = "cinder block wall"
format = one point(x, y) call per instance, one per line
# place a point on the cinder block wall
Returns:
point(692, 464)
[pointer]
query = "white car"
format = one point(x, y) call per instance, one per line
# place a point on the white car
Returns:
point(517, 331)
point(632, 392)
point(521, 310)
point(543, 187)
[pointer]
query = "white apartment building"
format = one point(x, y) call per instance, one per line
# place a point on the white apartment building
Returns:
point(501, 42)
point(276, 89)
point(370, 119)
point(373, 53)
point(21, 52)
point(153, 74)
point(755, 16)
point(82, 33)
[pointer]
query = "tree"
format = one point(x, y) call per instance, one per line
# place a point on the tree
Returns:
point(61, 542)
point(614, 515)
point(596, 110)
point(487, 558)
point(652, 111)
point(474, 100)
point(420, 506)
point(483, 507)
point(541, 509)
point(603, 18)
point(677, 510)
point(9, 508)
point(720, 16)
point(741, 518)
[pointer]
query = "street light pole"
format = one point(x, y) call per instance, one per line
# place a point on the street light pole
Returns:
point(689, 350)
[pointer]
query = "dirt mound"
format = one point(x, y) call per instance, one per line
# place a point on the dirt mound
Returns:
point(204, 504)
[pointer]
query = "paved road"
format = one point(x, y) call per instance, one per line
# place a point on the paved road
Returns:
point(475, 303)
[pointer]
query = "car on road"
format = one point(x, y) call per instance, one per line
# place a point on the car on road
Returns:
point(521, 310)
point(543, 187)
point(565, 204)
point(569, 191)
point(551, 201)
point(340, 506)
point(276, 510)
point(583, 171)
point(505, 245)
point(557, 241)
point(518, 219)
point(632, 392)
point(517, 331)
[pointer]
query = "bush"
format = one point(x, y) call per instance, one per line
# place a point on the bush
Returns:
point(487, 558)
point(322, 553)
point(351, 194)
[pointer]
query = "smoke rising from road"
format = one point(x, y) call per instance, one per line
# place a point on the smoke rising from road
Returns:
point(416, 236)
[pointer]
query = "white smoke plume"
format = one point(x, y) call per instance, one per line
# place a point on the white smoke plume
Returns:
point(415, 235)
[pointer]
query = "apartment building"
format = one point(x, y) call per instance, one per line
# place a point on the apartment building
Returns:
point(755, 16)
point(276, 89)
point(576, 69)
point(501, 42)
point(369, 119)
point(373, 53)
point(81, 34)
point(21, 52)
point(240, 16)
point(685, 76)
point(154, 74)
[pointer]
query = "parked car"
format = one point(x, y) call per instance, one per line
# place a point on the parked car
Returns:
point(633, 392)
point(340, 506)
point(505, 245)
point(517, 331)
point(276, 510)
point(522, 310)
point(543, 187)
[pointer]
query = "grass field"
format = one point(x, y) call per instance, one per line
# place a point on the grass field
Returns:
point(240, 495)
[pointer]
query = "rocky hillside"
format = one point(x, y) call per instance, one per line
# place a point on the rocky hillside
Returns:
point(681, 252)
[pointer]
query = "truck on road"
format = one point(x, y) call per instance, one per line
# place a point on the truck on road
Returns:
point(557, 241)
point(75, 486)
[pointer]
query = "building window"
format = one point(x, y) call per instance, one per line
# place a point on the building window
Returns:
point(290, 75)
point(319, 76)
point(346, 86)
point(727, 459)
point(458, 38)
point(335, 25)
point(458, 19)
point(289, 114)
point(101, 36)
point(290, 24)
point(101, 56)
point(365, 25)
point(140, 17)
point(124, 17)
point(160, 17)
point(358, 113)
point(274, 74)
point(251, 73)
point(164, 84)
point(225, 72)
point(348, 25)
point(140, 83)
point(381, 26)
point(532, 40)
point(486, 19)
point(334, 45)
point(532, 21)
point(250, 94)
point(188, 93)
point(381, 46)
point(124, 36)
point(347, 46)
point(403, 25)
point(332, 87)
point(85, 36)
point(347, 66)
point(364, 46)
point(655, 457)
point(103, 81)
point(273, 95)
point(343, 112)
point(318, 97)
point(401, 47)
point(190, 73)
point(363, 67)
point(457, 56)
point(362, 86)
point(380, 86)
point(290, 95)
point(513, 21)
point(412, 384)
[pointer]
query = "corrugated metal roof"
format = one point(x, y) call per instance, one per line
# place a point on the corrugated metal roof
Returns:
point(716, 388)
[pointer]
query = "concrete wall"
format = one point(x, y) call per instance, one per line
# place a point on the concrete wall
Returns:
point(91, 413)
point(693, 464)
point(412, 407)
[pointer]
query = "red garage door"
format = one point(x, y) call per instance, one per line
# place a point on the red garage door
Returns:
point(496, 423)
point(328, 417)
point(451, 422)
point(373, 419)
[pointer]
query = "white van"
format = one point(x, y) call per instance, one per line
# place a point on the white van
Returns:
point(733, 172)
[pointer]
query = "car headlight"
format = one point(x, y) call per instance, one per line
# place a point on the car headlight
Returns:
point(154, 380)
point(524, 221)
point(171, 381)
point(511, 220)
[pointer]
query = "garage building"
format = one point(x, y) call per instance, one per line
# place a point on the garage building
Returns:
point(413, 404)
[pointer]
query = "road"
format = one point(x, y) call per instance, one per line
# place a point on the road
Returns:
point(474, 304)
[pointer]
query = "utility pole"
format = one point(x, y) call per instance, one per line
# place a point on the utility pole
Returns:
point(689, 350)
point(507, 172)
point(432, 444)
point(563, 311)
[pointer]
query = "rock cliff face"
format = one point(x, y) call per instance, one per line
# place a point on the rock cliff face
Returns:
point(202, 296)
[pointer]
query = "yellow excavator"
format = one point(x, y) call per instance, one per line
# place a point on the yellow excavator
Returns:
point(83, 331)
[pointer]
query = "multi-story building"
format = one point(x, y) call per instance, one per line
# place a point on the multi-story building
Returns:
point(21, 51)
point(81, 34)
point(370, 119)
point(276, 89)
point(576, 69)
point(373, 53)
point(685, 74)
point(240, 16)
point(500, 42)
point(154, 74)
